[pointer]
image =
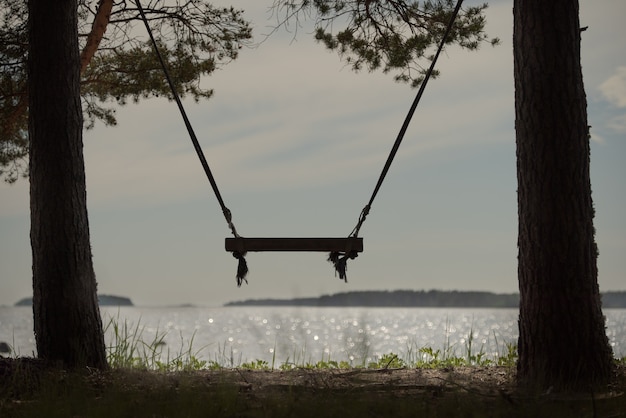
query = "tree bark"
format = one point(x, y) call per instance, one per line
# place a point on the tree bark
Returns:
point(99, 26)
point(68, 327)
point(562, 338)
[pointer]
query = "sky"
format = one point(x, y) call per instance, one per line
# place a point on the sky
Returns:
point(296, 142)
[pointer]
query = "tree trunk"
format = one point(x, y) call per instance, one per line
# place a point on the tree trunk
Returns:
point(68, 327)
point(562, 338)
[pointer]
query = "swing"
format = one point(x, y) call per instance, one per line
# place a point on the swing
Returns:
point(339, 249)
point(243, 245)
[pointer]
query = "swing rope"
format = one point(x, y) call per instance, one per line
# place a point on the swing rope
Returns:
point(339, 259)
point(242, 268)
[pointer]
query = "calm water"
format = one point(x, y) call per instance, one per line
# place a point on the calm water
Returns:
point(234, 335)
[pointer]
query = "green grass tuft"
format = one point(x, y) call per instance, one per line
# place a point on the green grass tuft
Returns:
point(128, 350)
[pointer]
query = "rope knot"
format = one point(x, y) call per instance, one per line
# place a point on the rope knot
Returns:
point(242, 267)
point(340, 262)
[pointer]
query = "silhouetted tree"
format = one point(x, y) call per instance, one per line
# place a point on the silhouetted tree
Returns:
point(395, 36)
point(117, 63)
point(562, 337)
point(68, 327)
point(42, 78)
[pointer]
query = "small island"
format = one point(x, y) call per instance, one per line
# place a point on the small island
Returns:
point(103, 300)
point(418, 298)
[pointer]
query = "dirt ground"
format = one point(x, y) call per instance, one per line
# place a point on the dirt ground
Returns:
point(442, 392)
point(404, 381)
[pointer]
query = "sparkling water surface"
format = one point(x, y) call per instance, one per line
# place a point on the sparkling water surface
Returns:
point(300, 335)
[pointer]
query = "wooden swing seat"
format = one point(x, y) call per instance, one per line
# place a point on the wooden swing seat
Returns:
point(243, 245)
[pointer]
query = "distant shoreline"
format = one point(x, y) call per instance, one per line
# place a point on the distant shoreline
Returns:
point(416, 298)
point(103, 300)
point(379, 299)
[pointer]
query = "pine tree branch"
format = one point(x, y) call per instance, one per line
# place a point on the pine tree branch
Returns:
point(98, 29)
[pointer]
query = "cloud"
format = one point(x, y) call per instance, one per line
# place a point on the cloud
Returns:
point(618, 123)
point(614, 88)
point(613, 91)
point(289, 116)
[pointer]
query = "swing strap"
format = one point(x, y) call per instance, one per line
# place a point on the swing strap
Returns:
point(227, 214)
point(405, 125)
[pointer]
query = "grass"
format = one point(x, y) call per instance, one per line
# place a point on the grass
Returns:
point(148, 380)
point(128, 350)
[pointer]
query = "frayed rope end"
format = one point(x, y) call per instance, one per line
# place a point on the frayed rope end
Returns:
point(242, 268)
point(340, 261)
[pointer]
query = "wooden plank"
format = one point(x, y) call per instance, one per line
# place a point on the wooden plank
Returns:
point(294, 244)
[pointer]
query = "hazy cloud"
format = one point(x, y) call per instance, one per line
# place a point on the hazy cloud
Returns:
point(614, 88)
